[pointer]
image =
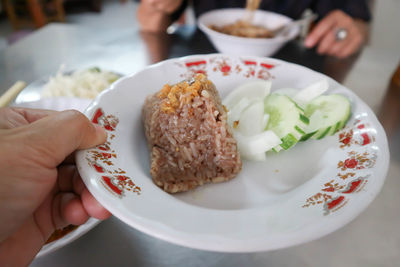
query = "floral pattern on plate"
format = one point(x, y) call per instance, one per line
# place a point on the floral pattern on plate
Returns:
point(100, 158)
point(332, 195)
point(249, 68)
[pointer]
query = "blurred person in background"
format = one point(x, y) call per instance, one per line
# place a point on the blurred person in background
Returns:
point(341, 30)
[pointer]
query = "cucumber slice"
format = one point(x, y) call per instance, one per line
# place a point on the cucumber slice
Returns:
point(328, 114)
point(287, 120)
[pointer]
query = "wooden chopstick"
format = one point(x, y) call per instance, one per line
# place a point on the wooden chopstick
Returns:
point(11, 93)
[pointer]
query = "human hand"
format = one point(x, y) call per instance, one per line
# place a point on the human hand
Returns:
point(166, 6)
point(324, 35)
point(154, 15)
point(40, 188)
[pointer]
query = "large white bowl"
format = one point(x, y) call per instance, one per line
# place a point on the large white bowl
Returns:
point(235, 45)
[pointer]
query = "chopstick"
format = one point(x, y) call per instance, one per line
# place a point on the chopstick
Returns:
point(11, 93)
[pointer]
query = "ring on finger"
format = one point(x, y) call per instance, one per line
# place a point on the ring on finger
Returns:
point(341, 34)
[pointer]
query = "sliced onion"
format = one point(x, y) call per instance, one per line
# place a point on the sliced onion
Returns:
point(310, 92)
point(252, 119)
point(236, 111)
point(316, 120)
point(290, 92)
point(256, 144)
point(265, 120)
point(251, 90)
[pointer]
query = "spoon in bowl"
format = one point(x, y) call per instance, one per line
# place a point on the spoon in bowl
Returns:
point(285, 29)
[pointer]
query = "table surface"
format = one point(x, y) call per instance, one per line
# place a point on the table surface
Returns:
point(372, 239)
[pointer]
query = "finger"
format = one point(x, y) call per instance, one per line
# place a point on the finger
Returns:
point(94, 208)
point(65, 177)
point(321, 29)
point(78, 184)
point(32, 115)
point(15, 117)
point(70, 159)
point(10, 119)
point(338, 46)
point(69, 179)
point(352, 47)
point(57, 136)
point(326, 43)
point(68, 209)
point(72, 210)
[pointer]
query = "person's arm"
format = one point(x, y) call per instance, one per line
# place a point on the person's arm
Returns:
point(157, 15)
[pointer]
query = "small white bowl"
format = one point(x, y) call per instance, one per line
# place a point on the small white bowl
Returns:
point(235, 45)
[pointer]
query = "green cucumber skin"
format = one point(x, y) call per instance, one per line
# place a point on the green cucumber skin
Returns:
point(322, 133)
point(298, 129)
point(292, 134)
point(304, 119)
point(307, 136)
point(346, 120)
point(334, 127)
point(288, 141)
point(277, 149)
point(297, 106)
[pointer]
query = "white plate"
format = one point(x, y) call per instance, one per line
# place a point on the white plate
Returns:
point(59, 104)
point(68, 238)
point(294, 197)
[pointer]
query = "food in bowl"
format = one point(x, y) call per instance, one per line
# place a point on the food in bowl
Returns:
point(84, 83)
point(188, 137)
point(243, 28)
point(236, 45)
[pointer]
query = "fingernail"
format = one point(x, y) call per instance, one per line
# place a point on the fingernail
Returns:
point(100, 130)
point(308, 42)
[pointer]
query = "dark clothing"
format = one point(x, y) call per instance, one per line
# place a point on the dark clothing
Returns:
point(291, 8)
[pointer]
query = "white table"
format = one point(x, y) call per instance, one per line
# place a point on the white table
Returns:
point(372, 239)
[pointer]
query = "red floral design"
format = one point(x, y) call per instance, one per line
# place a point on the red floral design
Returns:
point(318, 198)
point(346, 175)
point(194, 67)
point(334, 204)
point(101, 159)
point(226, 66)
point(332, 195)
point(331, 186)
point(357, 161)
point(109, 122)
point(222, 65)
point(350, 163)
point(358, 135)
point(264, 73)
point(355, 185)
point(345, 138)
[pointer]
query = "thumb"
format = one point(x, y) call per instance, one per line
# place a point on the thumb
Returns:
point(56, 136)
